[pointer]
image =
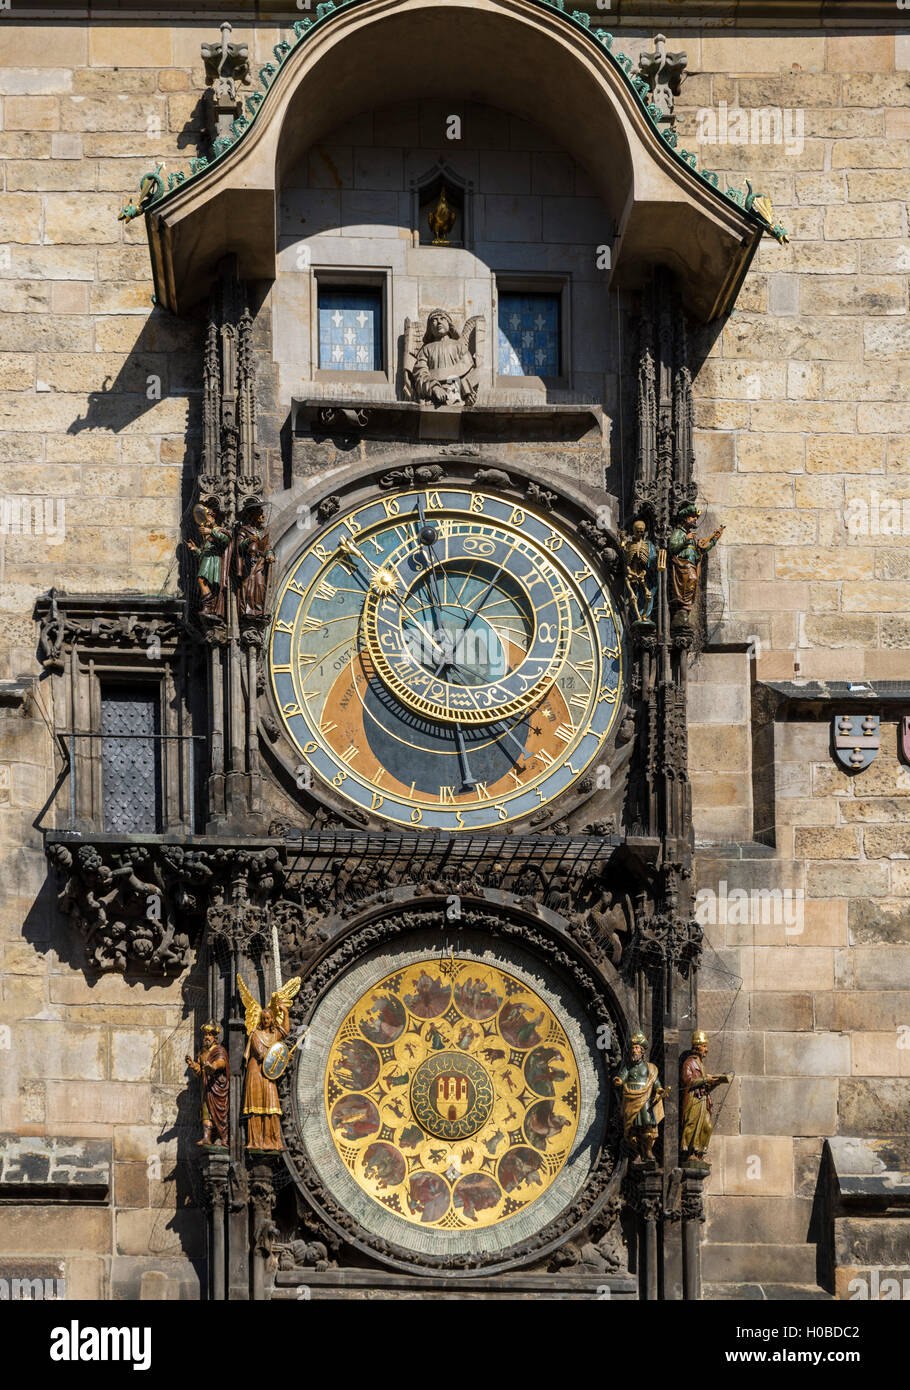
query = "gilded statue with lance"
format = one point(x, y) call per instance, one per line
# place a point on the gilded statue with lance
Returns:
point(264, 1028)
point(695, 1087)
point(214, 1070)
point(642, 1098)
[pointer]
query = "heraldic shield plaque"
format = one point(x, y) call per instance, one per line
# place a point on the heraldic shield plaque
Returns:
point(856, 738)
point(461, 1098)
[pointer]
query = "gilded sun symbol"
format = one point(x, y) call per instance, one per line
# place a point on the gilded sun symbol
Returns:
point(383, 581)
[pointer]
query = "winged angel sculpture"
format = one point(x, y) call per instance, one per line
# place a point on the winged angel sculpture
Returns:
point(441, 364)
point(264, 1028)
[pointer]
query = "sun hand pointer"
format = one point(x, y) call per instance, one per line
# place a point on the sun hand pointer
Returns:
point(381, 580)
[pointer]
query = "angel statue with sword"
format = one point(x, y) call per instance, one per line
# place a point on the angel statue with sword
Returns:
point(264, 1028)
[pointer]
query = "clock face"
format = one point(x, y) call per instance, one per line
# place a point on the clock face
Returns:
point(441, 1053)
point(444, 658)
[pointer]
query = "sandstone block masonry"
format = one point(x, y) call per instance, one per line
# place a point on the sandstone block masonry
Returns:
point(801, 426)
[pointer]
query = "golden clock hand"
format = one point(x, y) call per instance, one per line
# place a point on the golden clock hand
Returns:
point(349, 548)
point(428, 536)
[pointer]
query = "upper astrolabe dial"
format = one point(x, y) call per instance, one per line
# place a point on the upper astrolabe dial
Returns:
point(443, 657)
point(477, 634)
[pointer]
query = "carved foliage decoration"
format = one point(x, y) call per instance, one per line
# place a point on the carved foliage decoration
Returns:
point(65, 622)
point(138, 906)
point(124, 904)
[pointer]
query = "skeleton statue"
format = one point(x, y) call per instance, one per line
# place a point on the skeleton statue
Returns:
point(642, 560)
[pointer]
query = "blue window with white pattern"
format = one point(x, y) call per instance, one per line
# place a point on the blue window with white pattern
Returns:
point(528, 334)
point(350, 330)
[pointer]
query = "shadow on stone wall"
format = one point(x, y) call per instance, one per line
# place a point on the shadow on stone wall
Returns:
point(164, 364)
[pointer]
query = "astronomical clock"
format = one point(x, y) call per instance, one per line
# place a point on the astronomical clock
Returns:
point(447, 666)
point(444, 657)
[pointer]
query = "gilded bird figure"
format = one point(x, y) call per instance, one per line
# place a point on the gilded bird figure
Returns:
point(441, 220)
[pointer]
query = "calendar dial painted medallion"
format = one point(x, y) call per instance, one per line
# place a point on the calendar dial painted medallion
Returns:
point(444, 658)
point(452, 1094)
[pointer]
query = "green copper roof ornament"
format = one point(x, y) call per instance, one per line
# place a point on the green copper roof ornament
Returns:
point(151, 186)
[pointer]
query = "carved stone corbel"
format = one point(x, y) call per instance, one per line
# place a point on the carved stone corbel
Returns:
point(663, 73)
point(123, 900)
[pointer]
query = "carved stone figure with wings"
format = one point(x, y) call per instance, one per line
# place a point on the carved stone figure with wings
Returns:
point(441, 365)
point(264, 1027)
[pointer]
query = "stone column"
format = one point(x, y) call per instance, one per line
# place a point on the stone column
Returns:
point(216, 1172)
point(262, 1201)
point(647, 1190)
point(693, 1216)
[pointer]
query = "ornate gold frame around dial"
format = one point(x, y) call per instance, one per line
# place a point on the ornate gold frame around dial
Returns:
point(440, 698)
